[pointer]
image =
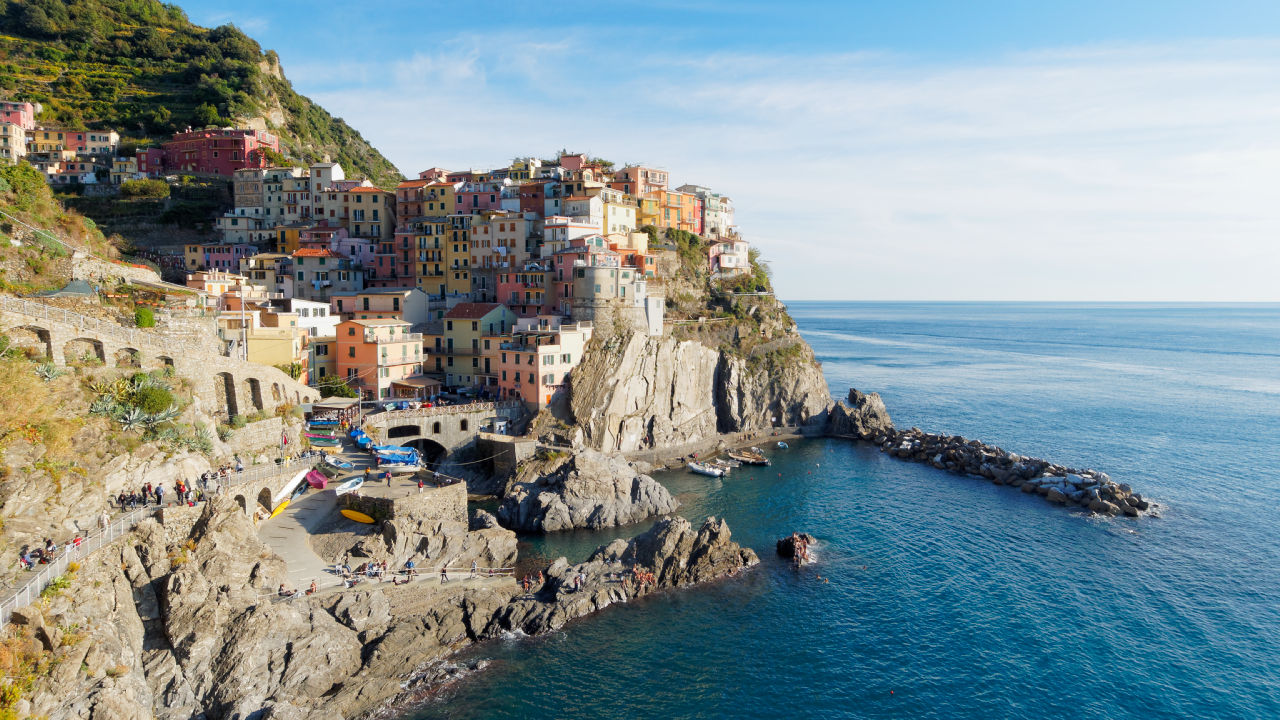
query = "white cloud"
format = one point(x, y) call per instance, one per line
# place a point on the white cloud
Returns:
point(1111, 173)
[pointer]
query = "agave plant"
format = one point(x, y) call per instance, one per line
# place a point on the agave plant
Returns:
point(168, 414)
point(48, 371)
point(133, 418)
point(103, 405)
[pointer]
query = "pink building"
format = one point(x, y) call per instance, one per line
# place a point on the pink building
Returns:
point(227, 257)
point(476, 197)
point(22, 114)
point(372, 355)
point(534, 365)
point(524, 291)
point(639, 180)
point(217, 151)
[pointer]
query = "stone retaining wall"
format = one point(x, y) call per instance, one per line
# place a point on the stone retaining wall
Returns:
point(433, 504)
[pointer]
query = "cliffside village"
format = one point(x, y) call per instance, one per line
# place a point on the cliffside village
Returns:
point(485, 282)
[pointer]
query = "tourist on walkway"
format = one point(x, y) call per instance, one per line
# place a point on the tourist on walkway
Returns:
point(159, 495)
point(473, 569)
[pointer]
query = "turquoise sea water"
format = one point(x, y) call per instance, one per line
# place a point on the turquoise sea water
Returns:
point(938, 596)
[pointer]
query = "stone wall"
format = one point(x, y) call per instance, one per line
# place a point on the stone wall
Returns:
point(97, 270)
point(432, 505)
point(263, 436)
point(506, 452)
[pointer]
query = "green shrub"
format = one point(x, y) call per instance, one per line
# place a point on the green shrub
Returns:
point(144, 317)
point(152, 400)
point(146, 188)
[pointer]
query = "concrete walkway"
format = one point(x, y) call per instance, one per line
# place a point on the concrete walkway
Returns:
point(288, 534)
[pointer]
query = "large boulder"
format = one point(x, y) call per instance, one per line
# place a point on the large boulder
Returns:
point(587, 489)
point(864, 416)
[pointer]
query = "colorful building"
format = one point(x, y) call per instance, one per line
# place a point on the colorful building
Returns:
point(467, 327)
point(729, 256)
point(457, 256)
point(535, 363)
point(373, 354)
point(523, 291)
point(215, 151)
point(13, 143)
point(317, 273)
point(680, 211)
point(409, 304)
point(639, 180)
point(20, 113)
point(124, 168)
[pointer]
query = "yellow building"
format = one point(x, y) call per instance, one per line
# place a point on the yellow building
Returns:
point(440, 198)
point(365, 211)
point(619, 211)
point(429, 237)
point(647, 212)
point(457, 256)
point(123, 169)
point(287, 236)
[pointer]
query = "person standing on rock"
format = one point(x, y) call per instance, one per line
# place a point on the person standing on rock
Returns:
point(159, 495)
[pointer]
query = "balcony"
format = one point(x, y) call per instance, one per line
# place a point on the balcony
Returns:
point(382, 340)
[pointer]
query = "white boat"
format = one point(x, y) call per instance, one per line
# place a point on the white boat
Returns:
point(396, 468)
point(704, 469)
point(337, 462)
point(783, 445)
point(349, 486)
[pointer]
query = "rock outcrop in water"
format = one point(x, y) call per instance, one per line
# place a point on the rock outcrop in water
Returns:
point(866, 418)
point(194, 629)
point(585, 489)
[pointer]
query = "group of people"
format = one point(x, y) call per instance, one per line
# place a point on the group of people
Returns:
point(183, 494)
point(643, 577)
point(30, 557)
point(528, 582)
point(579, 581)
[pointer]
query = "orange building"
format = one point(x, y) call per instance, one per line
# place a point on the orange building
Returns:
point(372, 355)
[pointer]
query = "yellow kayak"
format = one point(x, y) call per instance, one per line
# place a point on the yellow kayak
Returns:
point(357, 516)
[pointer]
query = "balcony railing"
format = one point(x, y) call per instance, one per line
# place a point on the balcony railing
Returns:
point(406, 337)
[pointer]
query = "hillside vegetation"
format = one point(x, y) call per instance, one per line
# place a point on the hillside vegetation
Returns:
point(142, 68)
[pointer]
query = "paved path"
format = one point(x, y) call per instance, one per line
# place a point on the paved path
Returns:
point(288, 535)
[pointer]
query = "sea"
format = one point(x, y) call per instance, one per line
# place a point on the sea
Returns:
point(941, 596)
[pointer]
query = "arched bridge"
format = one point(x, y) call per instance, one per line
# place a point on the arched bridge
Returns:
point(233, 387)
point(440, 431)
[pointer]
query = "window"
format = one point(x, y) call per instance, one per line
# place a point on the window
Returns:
point(548, 379)
point(548, 359)
point(531, 378)
point(351, 331)
point(351, 351)
point(449, 324)
point(565, 358)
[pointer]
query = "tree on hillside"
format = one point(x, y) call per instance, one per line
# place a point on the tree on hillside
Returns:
point(205, 115)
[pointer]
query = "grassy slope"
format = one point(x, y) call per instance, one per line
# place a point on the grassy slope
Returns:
point(141, 67)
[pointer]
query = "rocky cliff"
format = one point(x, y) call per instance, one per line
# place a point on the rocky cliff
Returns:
point(634, 392)
point(586, 489)
point(193, 628)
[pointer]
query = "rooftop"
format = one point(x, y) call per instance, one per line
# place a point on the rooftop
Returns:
point(317, 252)
point(378, 322)
point(471, 311)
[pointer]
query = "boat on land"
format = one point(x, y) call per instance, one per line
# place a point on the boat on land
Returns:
point(338, 462)
point(357, 516)
point(279, 509)
point(748, 457)
point(322, 436)
point(349, 486)
point(706, 469)
point(317, 480)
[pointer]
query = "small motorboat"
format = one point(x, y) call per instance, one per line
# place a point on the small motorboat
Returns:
point(706, 469)
point(338, 462)
point(783, 445)
point(749, 457)
point(726, 465)
point(728, 462)
point(317, 480)
point(321, 436)
point(398, 468)
point(351, 485)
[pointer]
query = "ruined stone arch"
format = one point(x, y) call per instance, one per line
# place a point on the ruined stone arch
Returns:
point(253, 392)
point(240, 501)
point(81, 349)
point(224, 389)
point(128, 357)
point(164, 361)
point(32, 338)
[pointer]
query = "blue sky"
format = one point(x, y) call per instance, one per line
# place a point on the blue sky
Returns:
point(875, 151)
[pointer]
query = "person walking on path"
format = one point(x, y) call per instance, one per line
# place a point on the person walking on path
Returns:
point(473, 569)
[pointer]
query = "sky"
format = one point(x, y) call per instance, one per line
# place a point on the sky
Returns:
point(906, 150)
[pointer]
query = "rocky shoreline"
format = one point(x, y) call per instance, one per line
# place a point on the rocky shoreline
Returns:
point(864, 417)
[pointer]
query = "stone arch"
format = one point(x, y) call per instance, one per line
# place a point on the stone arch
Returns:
point(264, 498)
point(401, 431)
point(463, 425)
point(80, 349)
point(253, 392)
point(276, 394)
point(431, 451)
point(435, 428)
point(128, 357)
point(240, 501)
point(224, 389)
point(165, 361)
point(32, 337)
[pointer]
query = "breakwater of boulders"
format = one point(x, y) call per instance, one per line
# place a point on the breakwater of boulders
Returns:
point(865, 417)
